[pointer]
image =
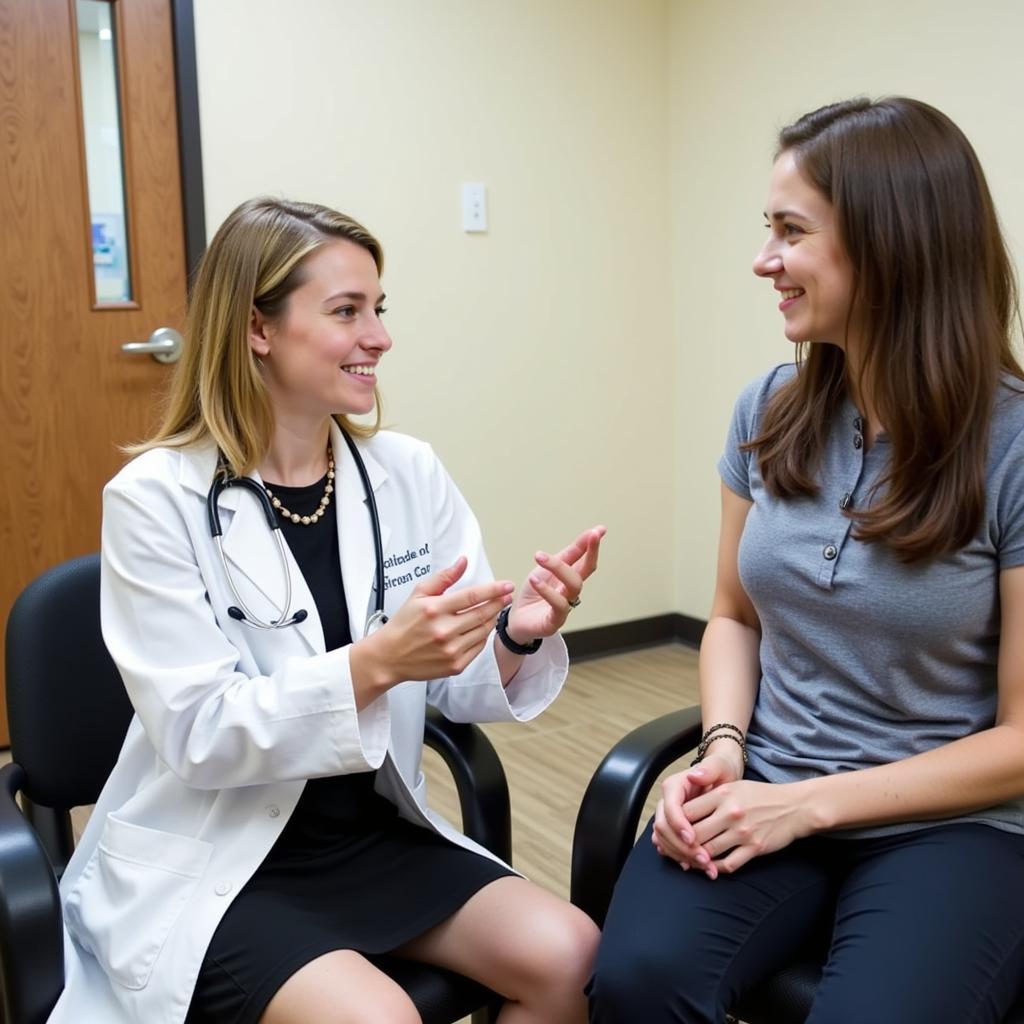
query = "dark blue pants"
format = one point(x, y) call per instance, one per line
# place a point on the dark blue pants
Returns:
point(926, 927)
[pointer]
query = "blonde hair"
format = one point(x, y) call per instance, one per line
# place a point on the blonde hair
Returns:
point(254, 260)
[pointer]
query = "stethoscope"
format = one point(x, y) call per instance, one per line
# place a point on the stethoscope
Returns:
point(242, 612)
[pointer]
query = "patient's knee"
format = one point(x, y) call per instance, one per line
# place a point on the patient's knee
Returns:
point(635, 980)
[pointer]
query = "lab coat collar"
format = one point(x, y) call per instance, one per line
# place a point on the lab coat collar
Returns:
point(355, 532)
point(196, 468)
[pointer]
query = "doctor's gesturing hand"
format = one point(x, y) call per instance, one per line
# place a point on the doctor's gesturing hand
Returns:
point(433, 635)
point(553, 589)
point(437, 633)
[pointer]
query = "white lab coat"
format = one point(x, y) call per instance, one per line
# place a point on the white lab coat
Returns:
point(231, 720)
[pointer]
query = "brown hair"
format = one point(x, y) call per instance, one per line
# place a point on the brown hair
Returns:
point(935, 288)
point(256, 259)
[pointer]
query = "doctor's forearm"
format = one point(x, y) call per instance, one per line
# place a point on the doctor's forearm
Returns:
point(369, 673)
point(508, 663)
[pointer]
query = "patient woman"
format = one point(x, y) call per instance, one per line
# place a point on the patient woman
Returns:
point(860, 779)
point(265, 832)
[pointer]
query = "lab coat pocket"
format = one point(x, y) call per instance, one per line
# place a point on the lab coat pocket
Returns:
point(130, 894)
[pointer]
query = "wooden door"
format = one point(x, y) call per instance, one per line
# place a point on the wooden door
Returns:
point(68, 395)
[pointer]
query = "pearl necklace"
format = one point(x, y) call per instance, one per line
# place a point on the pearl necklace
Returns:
point(324, 501)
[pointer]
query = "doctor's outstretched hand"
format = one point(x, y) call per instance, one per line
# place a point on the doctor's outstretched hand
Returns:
point(553, 589)
point(439, 631)
point(436, 633)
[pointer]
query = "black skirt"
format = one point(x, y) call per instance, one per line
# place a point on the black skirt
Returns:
point(366, 880)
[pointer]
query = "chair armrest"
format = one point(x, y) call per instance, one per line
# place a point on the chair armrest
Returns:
point(610, 812)
point(31, 924)
point(479, 780)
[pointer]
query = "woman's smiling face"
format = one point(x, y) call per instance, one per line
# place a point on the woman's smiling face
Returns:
point(321, 356)
point(805, 259)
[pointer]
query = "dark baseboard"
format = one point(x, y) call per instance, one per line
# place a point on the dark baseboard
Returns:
point(689, 631)
point(630, 636)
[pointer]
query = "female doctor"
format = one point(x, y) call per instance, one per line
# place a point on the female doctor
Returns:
point(265, 831)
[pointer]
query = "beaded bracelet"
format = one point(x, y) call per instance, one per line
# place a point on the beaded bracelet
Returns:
point(725, 731)
point(722, 725)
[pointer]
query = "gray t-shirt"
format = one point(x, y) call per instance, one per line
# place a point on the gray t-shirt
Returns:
point(866, 660)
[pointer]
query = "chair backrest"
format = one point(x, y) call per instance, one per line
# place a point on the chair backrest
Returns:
point(69, 712)
point(66, 703)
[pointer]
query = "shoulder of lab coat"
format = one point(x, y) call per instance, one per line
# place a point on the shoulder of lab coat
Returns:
point(213, 724)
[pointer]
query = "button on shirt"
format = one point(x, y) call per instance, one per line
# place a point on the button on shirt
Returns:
point(866, 660)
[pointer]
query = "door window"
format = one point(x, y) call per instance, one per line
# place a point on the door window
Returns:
point(104, 151)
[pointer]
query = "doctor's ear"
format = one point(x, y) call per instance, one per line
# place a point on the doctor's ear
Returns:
point(259, 333)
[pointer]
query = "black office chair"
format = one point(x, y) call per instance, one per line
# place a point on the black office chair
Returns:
point(606, 829)
point(68, 713)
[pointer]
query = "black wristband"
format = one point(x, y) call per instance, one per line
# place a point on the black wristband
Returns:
point(501, 628)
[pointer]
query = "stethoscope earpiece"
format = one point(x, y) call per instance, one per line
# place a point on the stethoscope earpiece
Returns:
point(300, 616)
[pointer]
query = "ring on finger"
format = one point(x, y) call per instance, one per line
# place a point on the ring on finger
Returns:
point(575, 602)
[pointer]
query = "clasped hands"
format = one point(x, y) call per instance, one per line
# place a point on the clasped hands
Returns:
point(438, 631)
point(710, 819)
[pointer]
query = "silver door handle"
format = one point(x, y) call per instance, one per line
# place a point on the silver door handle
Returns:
point(164, 345)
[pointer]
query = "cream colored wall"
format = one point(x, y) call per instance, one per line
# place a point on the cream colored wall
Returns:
point(536, 358)
point(740, 70)
point(578, 363)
